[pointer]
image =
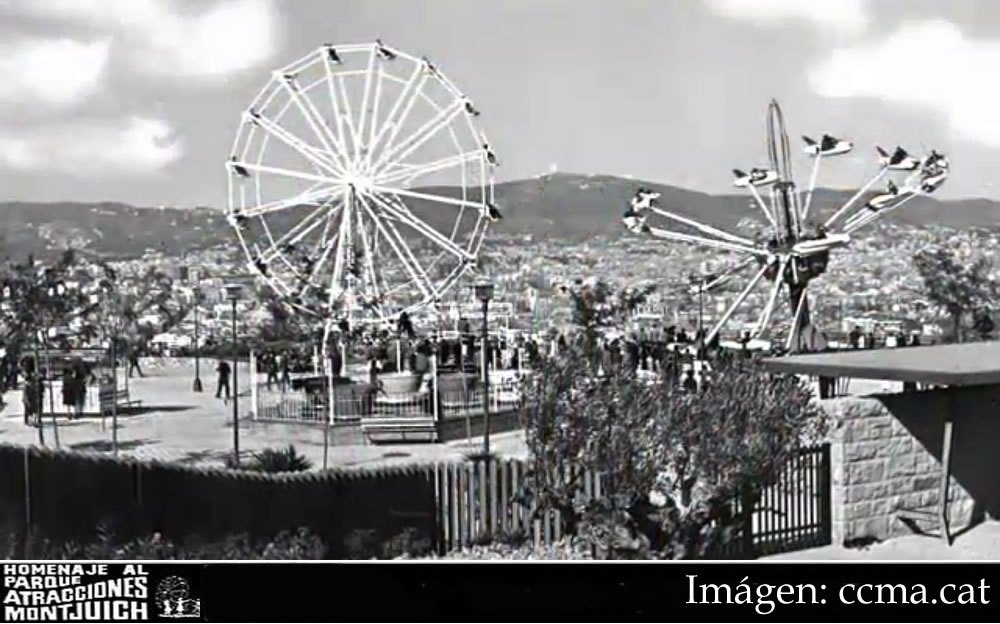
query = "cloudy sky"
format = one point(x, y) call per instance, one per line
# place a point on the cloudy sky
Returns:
point(139, 100)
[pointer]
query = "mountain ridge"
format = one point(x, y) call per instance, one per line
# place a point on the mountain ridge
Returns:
point(558, 206)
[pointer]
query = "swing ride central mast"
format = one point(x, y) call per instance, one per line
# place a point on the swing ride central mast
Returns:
point(785, 199)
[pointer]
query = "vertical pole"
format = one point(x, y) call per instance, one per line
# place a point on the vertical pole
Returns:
point(114, 395)
point(52, 401)
point(331, 403)
point(197, 387)
point(253, 385)
point(236, 394)
point(486, 382)
point(343, 358)
point(435, 407)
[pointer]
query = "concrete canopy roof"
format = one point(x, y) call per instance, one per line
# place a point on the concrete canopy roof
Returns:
point(968, 364)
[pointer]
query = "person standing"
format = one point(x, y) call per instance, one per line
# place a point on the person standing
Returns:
point(273, 363)
point(69, 392)
point(224, 371)
point(286, 372)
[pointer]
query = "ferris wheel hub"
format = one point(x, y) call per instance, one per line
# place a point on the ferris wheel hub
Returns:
point(359, 183)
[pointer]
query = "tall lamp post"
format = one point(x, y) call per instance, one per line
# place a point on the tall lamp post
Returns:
point(233, 293)
point(194, 276)
point(484, 292)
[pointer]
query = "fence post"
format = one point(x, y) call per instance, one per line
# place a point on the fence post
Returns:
point(825, 488)
point(435, 407)
point(253, 385)
point(27, 490)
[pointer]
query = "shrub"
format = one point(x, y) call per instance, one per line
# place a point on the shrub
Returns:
point(298, 545)
point(278, 460)
point(671, 462)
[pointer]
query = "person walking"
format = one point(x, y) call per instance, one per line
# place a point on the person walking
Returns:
point(224, 371)
point(133, 361)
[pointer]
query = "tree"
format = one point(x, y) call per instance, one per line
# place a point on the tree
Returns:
point(38, 299)
point(671, 462)
point(114, 317)
point(956, 281)
point(596, 308)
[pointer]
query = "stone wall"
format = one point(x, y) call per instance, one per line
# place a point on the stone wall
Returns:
point(886, 459)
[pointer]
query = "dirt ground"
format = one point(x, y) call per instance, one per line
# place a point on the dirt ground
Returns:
point(177, 424)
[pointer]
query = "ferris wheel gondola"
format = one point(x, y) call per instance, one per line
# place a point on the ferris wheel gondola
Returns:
point(792, 252)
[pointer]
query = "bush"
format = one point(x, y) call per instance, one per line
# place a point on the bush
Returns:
point(671, 462)
point(567, 549)
point(298, 545)
point(364, 544)
point(275, 461)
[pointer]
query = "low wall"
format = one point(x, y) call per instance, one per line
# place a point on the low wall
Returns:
point(886, 459)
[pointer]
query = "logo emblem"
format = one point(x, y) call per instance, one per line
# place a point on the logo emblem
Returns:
point(173, 597)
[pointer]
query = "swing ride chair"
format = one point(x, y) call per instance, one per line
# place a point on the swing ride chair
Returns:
point(793, 250)
point(360, 185)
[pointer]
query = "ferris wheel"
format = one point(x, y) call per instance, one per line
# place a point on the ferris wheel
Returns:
point(792, 250)
point(360, 183)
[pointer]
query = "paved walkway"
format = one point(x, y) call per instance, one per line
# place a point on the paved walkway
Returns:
point(182, 426)
point(981, 543)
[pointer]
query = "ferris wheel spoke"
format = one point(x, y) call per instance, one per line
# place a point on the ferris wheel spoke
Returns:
point(318, 191)
point(315, 121)
point(373, 125)
point(287, 173)
point(419, 136)
point(326, 245)
point(348, 116)
point(765, 317)
point(409, 94)
point(367, 93)
point(403, 253)
point(319, 159)
point(706, 229)
point(369, 253)
point(301, 229)
point(708, 242)
point(854, 198)
point(406, 174)
point(332, 92)
point(452, 201)
point(398, 209)
point(739, 301)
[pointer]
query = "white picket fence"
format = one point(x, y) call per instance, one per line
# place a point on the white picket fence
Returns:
point(281, 403)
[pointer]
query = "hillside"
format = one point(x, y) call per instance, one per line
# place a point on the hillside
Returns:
point(554, 206)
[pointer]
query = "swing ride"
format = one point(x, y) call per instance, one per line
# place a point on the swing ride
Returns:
point(794, 250)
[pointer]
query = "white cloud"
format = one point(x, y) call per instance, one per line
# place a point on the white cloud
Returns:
point(96, 148)
point(160, 38)
point(929, 65)
point(52, 72)
point(840, 16)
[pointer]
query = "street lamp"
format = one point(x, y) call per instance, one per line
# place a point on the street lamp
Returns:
point(233, 292)
point(484, 292)
point(194, 276)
